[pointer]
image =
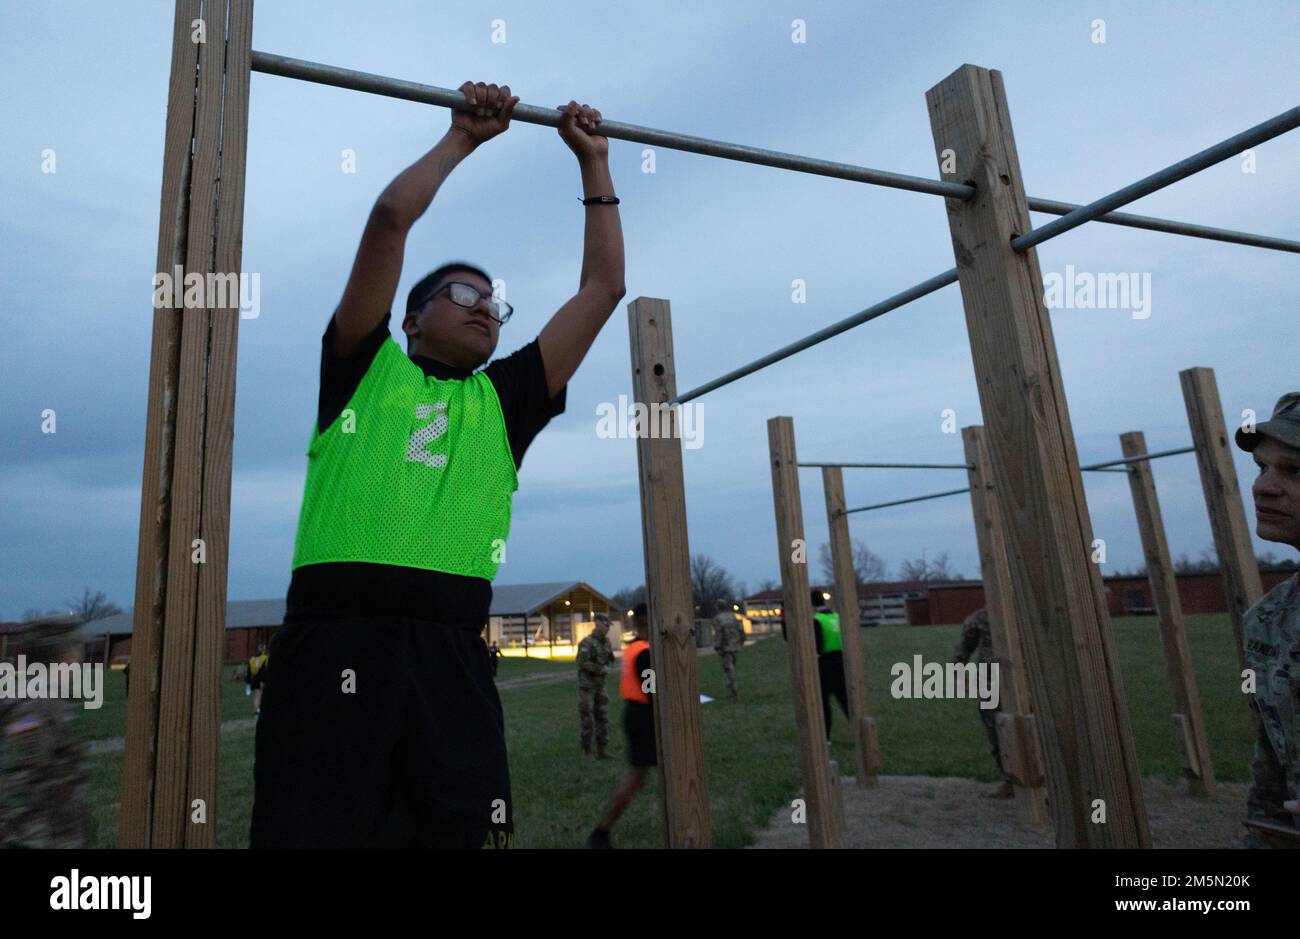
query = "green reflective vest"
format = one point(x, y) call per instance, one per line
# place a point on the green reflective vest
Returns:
point(830, 627)
point(416, 472)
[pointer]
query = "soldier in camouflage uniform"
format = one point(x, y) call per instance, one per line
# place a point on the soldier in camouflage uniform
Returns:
point(43, 769)
point(728, 639)
point(1271, 633)
point(976, 638)
point(594, 658)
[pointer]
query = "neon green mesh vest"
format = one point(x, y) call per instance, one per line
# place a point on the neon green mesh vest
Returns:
point(830, 627)
point(424, 479)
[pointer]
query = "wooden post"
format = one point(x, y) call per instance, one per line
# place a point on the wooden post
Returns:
point(1096, 795)
point(670, 600)
point(173, 719)
point(814, 756)
point(1188, 720)
point(1237, 563)
point(1017, 731)
point(866, 740)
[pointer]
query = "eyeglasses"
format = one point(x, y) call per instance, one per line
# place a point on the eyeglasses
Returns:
point(468, 297)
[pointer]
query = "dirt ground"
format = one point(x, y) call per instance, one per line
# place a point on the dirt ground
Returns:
point(945, 812)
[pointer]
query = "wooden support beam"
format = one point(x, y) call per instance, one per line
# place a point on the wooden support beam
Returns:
point(1188, 719)
point(1237, 563)
point(1070, 656)
point(670, 599)
point(170, 771)
point(135, 818)
point(1023, 761)
point(824, 829)
point(865, 738)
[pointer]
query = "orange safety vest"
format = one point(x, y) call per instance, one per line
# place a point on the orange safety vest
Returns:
point(630, 682)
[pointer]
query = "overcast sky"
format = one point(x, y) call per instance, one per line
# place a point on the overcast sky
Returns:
point(722, 241)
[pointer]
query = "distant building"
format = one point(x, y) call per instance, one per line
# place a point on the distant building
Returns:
point(922, 603)
point(1125, 596)
point(524, 619)
point(882, 604)
point(550, 619)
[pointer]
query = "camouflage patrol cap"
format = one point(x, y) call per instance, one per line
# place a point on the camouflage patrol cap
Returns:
point(602, 619)
point(1284, 425)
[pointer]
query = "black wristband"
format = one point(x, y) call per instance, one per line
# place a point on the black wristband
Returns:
point(600, 200)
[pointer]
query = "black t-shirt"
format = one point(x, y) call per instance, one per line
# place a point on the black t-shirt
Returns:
point(385, 589)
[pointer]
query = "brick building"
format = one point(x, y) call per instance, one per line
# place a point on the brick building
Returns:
point(918, 603)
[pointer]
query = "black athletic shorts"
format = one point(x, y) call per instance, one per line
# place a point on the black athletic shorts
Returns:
point(639, 723)
point(380, 732)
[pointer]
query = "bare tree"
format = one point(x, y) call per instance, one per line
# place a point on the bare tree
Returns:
point(711, 585)
point(93, 606)
point(1208, 563)
point(929, 569)
point(629, 597)
point(868, 567)
point(941, 568)
point(1268, 561)
point(914, 570)
point(768, 584)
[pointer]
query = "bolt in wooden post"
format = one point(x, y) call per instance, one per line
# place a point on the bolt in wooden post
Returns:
point(1018, 741)
point(796, 609)
point(866, 740)
point(1237, 563)
point(1188, 721)
point(671, 602)
point(1070, 656)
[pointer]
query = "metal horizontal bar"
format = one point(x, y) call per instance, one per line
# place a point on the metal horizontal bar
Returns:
point(960, 466)
point(955, 492)
point(303, 70)
point(857, 319)
point(1169, 226)
point(885, 505)
point(530, 114)
point(1139, 459)
point(300, 69)
point(1273, 127)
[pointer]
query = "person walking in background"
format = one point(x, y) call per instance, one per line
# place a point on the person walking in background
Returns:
point(830, 656)
point(976, 638)
point(728, 640)
point(594, 658)
point(255, 677)
point(636, 684)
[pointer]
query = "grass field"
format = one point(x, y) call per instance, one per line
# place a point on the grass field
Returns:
point(750, 745)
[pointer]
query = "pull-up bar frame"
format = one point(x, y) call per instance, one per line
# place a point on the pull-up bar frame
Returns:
point(1287, 120)
point(1072, 216)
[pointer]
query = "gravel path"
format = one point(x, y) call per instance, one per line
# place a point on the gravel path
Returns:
point(946, 812)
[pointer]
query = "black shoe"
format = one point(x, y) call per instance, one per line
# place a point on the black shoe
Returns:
point(598, 839)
